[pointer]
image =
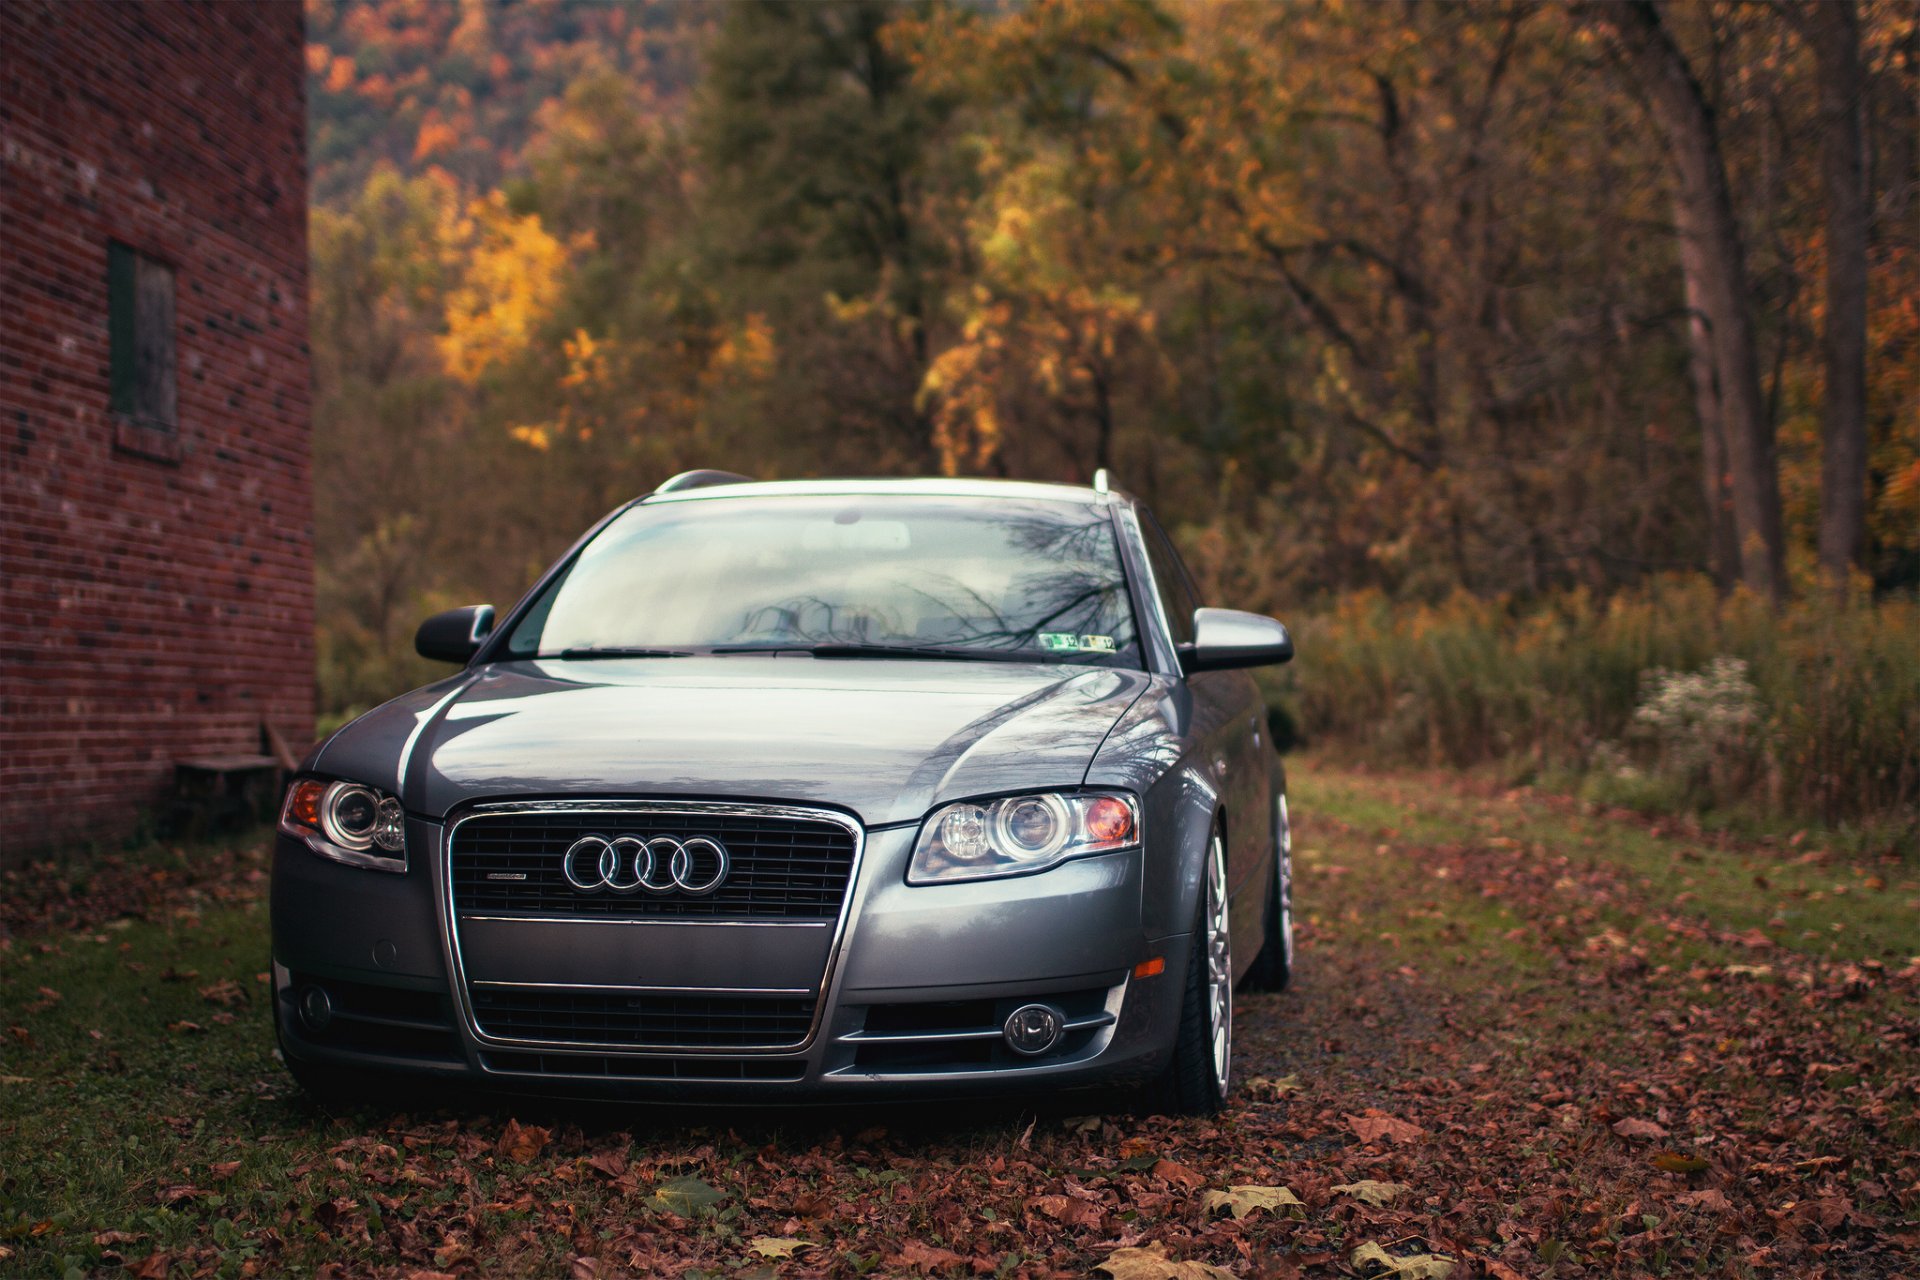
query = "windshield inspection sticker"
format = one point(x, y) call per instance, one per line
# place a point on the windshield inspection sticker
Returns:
point(1067, 642)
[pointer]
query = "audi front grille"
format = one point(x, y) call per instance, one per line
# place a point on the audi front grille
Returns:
point(779, 868)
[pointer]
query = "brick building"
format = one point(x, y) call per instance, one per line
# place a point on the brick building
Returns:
point(156, 561)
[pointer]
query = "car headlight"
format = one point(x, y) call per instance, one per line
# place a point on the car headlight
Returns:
point(1017, 835)
point(348, 822)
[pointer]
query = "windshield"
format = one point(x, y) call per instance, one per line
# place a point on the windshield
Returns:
point(1009, 579)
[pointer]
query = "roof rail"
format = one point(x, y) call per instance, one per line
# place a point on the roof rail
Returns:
point(701, 480)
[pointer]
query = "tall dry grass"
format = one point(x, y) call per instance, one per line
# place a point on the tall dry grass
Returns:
point(1836, 737)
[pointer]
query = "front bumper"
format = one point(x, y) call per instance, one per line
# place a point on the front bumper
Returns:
point(917, 985)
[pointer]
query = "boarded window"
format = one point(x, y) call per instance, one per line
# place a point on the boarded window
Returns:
point(140, 323)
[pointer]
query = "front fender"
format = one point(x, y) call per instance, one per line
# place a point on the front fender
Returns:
point(1150, 752)
point(377, 748)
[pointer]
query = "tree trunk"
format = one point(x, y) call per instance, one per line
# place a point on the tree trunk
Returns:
point(1831, 29)
point(1714, 266)
point(1723, 541)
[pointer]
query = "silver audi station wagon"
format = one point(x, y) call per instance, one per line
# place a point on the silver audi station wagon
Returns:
point(798, 792)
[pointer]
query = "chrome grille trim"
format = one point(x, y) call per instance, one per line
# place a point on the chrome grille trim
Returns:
point(655, 920)
point(450, 917)
point(791, 866)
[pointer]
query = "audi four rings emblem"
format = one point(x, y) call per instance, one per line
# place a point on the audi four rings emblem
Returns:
point(662, 864)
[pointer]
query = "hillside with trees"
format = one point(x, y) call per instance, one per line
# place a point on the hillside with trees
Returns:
point(1503, 312)
point(459, 86)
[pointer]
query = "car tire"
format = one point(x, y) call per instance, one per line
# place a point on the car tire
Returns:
point(1272, 969)
point(1195, 1082)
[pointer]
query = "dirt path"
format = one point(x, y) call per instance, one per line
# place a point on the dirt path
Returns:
point(1525, 1040)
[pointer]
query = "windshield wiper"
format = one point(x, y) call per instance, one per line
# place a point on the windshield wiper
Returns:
point(612, 651)
point(928, 652)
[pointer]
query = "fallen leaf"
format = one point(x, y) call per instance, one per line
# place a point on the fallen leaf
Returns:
point(1068, 1210)
point(1631, 1128)
point(1709, 1198)
point(1674, 1162)
point(1268, 1090)
point(521, 1142)
point(1242, 1201)
point(1152, 1263)
point(611, 1163)
point(184, 1028)
point(925, 1258)
point(224, 992)
point(1826, 1211)
point(777, 1246)
point(152, 1267)
point(1371, 1192)
point(684, 1196)
point(1373, 1261)
point(224, 1169)
point(1377, 1124)
point(1178, 1174)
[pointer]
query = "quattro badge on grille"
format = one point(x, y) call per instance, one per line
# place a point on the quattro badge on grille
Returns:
point(660, 865)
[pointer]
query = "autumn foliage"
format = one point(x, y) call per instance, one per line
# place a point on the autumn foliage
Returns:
point(1363, 298)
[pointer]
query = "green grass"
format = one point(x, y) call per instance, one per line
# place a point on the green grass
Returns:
point(111, 1098)
point(1802, 898)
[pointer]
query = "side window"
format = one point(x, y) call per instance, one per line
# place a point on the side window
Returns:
point(1169, 579)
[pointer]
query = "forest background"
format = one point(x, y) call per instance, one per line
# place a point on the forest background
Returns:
point(1555, 369)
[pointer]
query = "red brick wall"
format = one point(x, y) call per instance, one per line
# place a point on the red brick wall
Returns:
point(149, 610)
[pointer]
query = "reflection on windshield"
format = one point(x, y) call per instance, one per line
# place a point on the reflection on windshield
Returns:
point(1013, 578)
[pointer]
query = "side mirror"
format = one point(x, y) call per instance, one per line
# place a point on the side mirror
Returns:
point(456, 635)
point(1227, 638)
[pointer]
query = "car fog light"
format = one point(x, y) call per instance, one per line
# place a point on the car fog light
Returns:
point(316, 1008)
point(1033, 1029)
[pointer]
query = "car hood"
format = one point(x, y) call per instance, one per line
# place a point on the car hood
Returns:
point(884, 739)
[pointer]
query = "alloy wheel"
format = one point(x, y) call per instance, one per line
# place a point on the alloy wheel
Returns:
point(1219, 965)
point(1283, 878)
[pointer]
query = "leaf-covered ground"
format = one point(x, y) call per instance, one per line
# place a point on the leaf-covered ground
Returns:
point(1527, 1040)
